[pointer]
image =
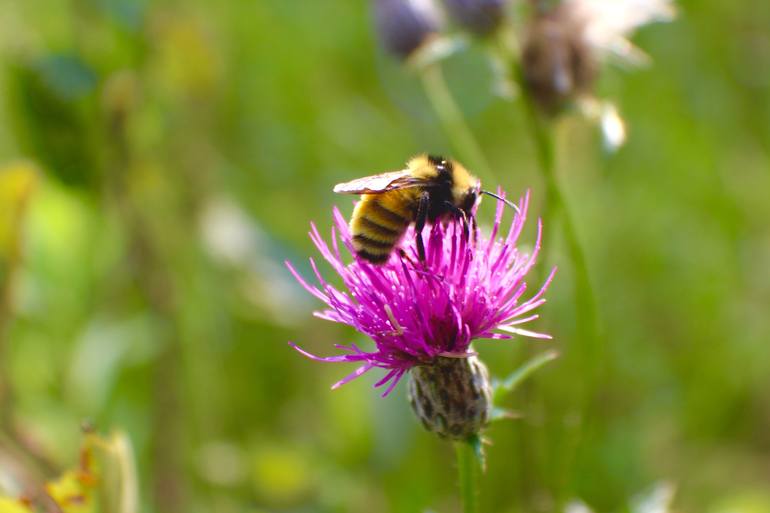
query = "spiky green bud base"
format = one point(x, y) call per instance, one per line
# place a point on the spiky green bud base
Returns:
point(451, 396)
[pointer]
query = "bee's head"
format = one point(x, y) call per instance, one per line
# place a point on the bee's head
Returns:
point(463, 186)
point(467, 202)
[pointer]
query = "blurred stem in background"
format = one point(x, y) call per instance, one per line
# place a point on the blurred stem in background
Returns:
point(588, 343)
point(543, 137)
point(150, 269)
point(451, 118)
point(14, 208)
point(586, 315)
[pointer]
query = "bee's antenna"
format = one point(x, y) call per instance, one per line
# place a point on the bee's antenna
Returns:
point(512, 205)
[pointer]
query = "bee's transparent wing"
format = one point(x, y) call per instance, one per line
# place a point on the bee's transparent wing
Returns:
point(377, 184)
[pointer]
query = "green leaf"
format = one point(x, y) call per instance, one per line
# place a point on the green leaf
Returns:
point(67, 76)
point(501, 388)
point(501, 414)
point(52, 100)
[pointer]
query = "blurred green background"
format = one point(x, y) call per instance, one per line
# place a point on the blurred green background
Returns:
point(161, 159)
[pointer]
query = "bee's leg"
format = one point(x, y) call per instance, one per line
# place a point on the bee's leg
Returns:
point(419, 223)
point(406, 257)
point(475, 226)
point(466, 226)
point(462, 215)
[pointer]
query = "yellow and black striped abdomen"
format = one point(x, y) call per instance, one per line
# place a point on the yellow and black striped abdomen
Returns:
point(379, 221)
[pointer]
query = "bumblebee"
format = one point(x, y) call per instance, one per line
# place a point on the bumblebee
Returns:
point(428, 189)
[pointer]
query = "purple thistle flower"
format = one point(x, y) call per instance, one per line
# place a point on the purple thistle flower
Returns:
point(416, 315)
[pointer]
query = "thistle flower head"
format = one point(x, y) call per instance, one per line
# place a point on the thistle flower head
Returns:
point(482, 17)
point(419, 312)
point(403, 26)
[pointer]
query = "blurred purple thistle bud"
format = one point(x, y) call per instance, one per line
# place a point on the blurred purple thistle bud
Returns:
point(481, 17)
point(403, 26)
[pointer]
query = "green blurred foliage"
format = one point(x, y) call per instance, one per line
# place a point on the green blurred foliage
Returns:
point(185, 146)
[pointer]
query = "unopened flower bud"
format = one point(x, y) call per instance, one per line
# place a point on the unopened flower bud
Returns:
point(557, 63)
point(482, 17)
point(405, 25)
point(451, 396)
point(565, 44)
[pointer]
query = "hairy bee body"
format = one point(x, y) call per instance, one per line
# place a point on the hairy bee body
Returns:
point(380, 220)
point(428, 189)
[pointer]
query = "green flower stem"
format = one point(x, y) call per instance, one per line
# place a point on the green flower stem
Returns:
point(451, 118)
point(158, 287)
point(586, 312)
point(467, 469)
point(587, 324)
point(542, 135)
